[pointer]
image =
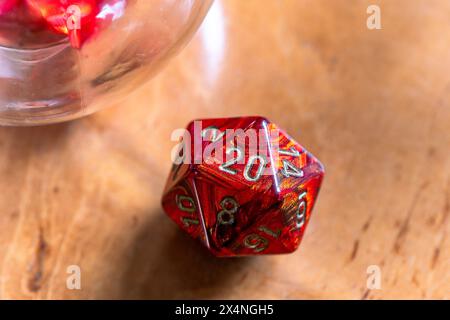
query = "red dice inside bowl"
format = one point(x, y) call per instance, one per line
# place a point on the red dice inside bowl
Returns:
point(242, 186)
point(78, 19)
point(75, 18)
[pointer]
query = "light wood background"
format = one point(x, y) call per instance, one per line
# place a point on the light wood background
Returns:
point(374, 106)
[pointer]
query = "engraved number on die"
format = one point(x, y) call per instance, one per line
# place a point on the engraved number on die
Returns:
point(180, 200)
point(248, 167)
point(226, 166)
point(229, 207)
point(256, 242)
point(289, 170)
point(301, 211)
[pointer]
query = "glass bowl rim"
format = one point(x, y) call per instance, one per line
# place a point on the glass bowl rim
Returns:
point(50, 45)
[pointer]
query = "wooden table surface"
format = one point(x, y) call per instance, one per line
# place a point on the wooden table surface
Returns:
point(373, 105)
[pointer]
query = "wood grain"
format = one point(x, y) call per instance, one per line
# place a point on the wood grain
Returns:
point(372, 105)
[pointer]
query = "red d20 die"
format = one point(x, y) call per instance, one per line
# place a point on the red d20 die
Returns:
point(242, 186)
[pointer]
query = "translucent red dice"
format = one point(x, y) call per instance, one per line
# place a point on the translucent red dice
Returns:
point(78, 19)
point(75, 18)
point(242, 186)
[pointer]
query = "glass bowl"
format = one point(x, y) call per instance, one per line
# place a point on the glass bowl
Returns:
point(44, 79)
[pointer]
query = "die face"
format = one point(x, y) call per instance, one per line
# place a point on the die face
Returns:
point(234, 153)
point(295, 210)
point(181, 204)
point(260, 204)
point(229, 212)
point(242, 222)
point(298, 176)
